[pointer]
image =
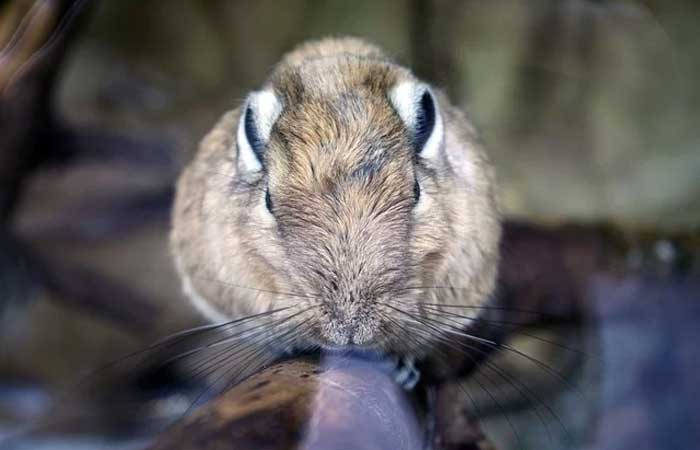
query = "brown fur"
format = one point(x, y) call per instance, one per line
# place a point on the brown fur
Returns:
point(345, 239)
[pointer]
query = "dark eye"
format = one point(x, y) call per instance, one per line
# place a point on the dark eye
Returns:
point(268, 200)
point(416, 192)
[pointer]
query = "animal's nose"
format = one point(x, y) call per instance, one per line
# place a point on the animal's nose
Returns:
point(348, 333)
point(340, 328)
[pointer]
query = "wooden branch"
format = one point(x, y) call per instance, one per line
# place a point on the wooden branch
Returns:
point(338, 403)
point(33, 38)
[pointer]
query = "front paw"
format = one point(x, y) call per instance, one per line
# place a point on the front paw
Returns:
point(405, 373)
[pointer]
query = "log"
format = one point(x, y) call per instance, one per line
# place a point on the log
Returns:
point(340, 402)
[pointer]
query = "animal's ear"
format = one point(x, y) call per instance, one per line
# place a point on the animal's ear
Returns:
point(258, 115)
point(416, 105)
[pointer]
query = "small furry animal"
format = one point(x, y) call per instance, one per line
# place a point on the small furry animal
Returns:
point(346, 199)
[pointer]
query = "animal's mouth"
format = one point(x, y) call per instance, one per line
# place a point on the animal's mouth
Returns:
point(369, 352)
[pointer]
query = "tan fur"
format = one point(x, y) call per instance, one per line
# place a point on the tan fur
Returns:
point(345, 247)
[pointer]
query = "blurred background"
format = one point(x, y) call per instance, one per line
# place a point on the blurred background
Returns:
point(589, 110)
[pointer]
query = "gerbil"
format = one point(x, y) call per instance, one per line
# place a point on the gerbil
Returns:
point(347, 191)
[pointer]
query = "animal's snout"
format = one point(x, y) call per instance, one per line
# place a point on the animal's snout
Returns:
point(350, 325)
point(341, 327)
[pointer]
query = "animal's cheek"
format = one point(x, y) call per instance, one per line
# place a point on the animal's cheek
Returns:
point(432, 266)
point(430, 231)
point(264, 218)
point(256, 249)
point(430, 241)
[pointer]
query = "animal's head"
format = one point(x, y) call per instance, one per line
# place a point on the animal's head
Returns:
point(347, 192)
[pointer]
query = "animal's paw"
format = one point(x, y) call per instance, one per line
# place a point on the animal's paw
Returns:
point(405, 373)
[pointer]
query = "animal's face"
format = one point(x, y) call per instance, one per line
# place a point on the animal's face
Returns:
point(349, 199)
point(342, 206)
point(344, 191)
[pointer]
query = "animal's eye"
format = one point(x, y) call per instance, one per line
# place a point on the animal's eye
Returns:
point(416, 192)
point(268, 200)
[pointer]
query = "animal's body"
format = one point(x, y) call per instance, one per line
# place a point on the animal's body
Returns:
point(348, 193)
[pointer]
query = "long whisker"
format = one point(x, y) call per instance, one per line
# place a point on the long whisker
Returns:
point(481, 385)
point(168, 342)
point(478, 307)
point(251, 350)
point(502, 324)
point(413, 334)
point(407, 334)
point(267, 291)
point(226, 340)
point(456, 329)
point(461, 333)
point(254, 350)
point(435, 307)
point(447, 328)
point(525, 391)
point(173, 338)
point(498, 404)
point(281, 340)
point(266, 329)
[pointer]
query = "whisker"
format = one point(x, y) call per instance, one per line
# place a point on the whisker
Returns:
point(447, 328)
point(254, 350)
point(267, 291)
point(486, 307)
point(526, 392)
point(456, 329)
point(265, 330)
point(250, 350)
point(515, 383)
point(498, 404)
point(461, 333)
point(510, 381)
point(224, 341)
point(226, 353)
point(407, 334)
point(165, 343)
point(173, 338)
point(432, 307)
point(502, 324)
point(442, 358)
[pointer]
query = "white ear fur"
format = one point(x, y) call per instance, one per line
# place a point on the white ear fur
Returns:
point(266, 108)
point(406, 99)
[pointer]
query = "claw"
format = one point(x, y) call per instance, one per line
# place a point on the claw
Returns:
point(406, 374)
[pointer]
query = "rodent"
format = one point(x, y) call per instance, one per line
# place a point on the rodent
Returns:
point(345, 189)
